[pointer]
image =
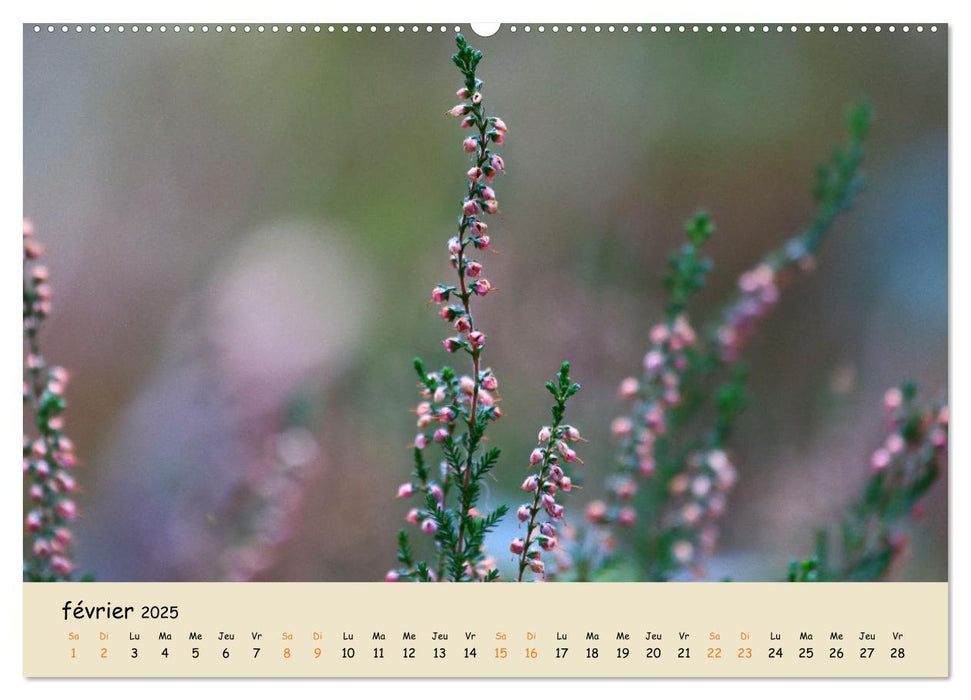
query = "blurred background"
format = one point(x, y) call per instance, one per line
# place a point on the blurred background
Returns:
point(243, 231)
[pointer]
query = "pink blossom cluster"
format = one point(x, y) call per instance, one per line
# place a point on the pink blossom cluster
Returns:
point(553, 453)
point(759, 290)
point(652, 397)
point(696, 502)
point(48, 458)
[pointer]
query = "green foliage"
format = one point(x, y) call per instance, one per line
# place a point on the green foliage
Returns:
point(687, 269)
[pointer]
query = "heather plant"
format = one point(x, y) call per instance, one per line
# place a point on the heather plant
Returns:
point(550, 458)
point(673, 473)
point(457, 408)
point(48, 453)
point(871, 539)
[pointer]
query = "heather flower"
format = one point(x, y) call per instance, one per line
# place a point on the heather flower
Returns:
point(549, 478)
point(464, 404)
point(873, 543)
point(47, 523)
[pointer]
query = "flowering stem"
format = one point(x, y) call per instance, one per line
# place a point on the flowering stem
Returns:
point(550, 477)
point(48, 458)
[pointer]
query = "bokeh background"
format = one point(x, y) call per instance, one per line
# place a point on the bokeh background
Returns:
point(243, 230)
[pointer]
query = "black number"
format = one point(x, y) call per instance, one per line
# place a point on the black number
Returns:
point(561, 652)
point(409, 652)
point(897, 653)
point(623, 652)
point(379, 652)
point(347, 653)
point(439, 653)
point(684, 653)
point(775, 652)
point(195, 652)
point(470, 653)
point(653, 653)
point(806, 653)
point(256, 652)
point(134, 653)
point(592, 652)
point(866, 652)
point(836, 653)
point(165, 652)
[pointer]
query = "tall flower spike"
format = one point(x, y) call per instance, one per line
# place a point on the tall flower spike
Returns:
point(48, 457)
point(456, 409)
point(552, 456)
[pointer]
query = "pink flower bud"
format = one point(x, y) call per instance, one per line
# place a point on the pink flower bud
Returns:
point(406, 490)
point(653, 362)
point(473, 268)
point(893, 399)
point(570, 433)
point(470, 144)
point(471, 207)
point(499, 125)
point(476, 98)
point(439, 435)
point(491, 206)
point(522, 514)
point(477, 339)
point(414, 516)
point(497, 162)
point(547, 543)
point(536, 456)
point(468, 122)
point(537, 566)
point(392, 576)
point(439, 394)
point(646, 466)
point(481, 287)
point(462, 324)
point(487, 193)
point(621, 427)
point(462, 93)
point(497, 137)
point(490, 383)
point(458, 110)
point(627, 517)
point(66, 509)
point(880, 459)
point(683, 551)
point(40, 273)
point(530, 485)
point(37, 492)
point(895, 444)
point(454, 245)
point(42, 549)
point(566, 483)
point(421, 441)
point(440, 294)
point(474, 173)
point(63, 535)
point(436, 492)
point(452, 344)
point(547, 530)
point(429, 526)
point(629, 388)
point(517, 546)
point(42, 468)
point(447, 414)
point(61, 565)
point(596, 512)
point(34, 521)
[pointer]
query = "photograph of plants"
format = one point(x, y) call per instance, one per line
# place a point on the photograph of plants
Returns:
point(416, 305)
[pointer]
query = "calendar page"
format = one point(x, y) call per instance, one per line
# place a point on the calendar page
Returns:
point(542, 350)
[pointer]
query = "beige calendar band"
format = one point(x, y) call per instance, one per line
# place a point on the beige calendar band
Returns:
point(428, 630)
